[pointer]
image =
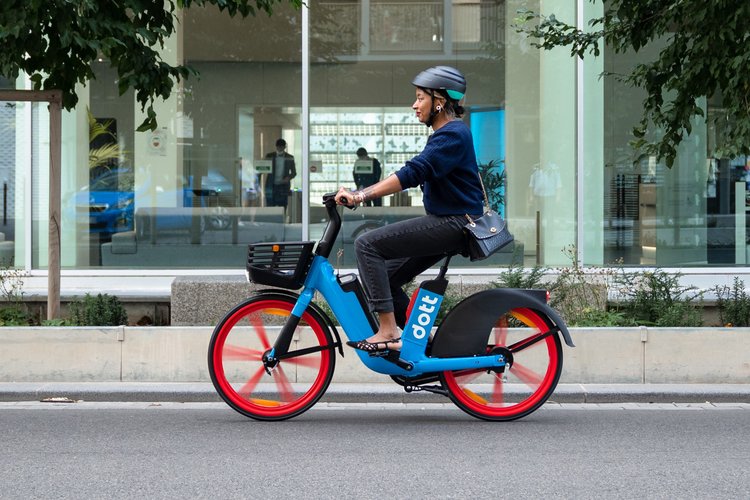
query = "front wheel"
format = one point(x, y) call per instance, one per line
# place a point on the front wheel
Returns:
point(235, 359)
point(533, 373)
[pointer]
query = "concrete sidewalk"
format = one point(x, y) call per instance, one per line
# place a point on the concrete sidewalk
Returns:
point(370, 393)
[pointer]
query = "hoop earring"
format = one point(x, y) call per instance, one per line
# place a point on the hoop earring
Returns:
point(438, 108)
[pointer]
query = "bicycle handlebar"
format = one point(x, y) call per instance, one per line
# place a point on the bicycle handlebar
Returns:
point(331, 232)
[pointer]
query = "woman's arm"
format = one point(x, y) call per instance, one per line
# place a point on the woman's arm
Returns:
point(387, 186)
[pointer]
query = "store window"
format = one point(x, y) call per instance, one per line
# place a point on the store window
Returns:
point(540, 109)
point(685, 216)
point(24, 132)
point(363, 100)
point(224, 168)
point(213, 176)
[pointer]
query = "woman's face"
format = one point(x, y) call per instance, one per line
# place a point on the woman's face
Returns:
point(422, 105)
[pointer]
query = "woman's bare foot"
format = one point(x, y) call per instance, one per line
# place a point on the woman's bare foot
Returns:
point(387, 338)
point(388, 331)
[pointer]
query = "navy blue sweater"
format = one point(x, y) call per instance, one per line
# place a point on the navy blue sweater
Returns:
point(447, 172)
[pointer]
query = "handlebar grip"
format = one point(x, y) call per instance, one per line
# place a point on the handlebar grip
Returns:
point(330, 198)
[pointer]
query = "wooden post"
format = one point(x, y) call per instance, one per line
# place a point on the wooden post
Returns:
point(55, 159)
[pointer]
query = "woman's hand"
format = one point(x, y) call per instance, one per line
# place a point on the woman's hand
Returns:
point(347, 198)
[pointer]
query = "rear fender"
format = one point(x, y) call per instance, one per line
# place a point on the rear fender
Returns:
point(465, 329)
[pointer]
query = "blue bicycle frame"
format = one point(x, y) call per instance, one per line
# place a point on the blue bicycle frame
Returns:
point(347, 308)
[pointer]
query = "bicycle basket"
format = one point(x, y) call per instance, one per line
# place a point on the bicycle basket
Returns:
point(284, 265)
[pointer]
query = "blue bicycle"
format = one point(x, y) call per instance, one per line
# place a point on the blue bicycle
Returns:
point(497, 354)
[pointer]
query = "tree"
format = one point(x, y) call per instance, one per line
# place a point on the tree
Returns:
point(706, 54)
point(55, 42)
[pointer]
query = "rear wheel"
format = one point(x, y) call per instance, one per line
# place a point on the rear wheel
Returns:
point(294, 384)
point(535, 363)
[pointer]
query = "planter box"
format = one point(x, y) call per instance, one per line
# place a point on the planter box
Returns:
point(178, 354)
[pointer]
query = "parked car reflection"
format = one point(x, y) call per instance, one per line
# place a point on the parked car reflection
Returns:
point(107, 202)
point(107, 205)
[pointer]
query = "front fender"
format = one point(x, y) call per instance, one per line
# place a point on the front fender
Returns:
point(464, 330)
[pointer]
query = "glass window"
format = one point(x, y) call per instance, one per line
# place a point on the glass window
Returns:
point(519, 114)
point(214, 175)
point(685, 216)
point(406, 26)
point(224, 168)
point(540, 113)
point(24, 147)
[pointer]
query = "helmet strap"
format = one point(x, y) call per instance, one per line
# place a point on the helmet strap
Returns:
point(433, 111)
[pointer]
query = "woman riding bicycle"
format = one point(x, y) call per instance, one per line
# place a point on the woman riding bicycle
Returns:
point(446, 171)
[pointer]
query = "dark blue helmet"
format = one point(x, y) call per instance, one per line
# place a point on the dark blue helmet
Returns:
point(442, 78)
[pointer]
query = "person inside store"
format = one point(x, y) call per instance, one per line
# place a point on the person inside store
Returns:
point(278, 182)
point(365, 179)
point(446, 171)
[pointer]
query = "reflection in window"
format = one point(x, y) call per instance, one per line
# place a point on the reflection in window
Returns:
point(392, 136)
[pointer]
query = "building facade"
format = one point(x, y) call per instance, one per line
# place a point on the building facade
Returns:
point(551, 138)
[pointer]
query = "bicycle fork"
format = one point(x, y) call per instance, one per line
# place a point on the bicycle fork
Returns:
point(280, 348)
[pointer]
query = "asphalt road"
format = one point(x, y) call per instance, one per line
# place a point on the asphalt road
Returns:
point(205, 450)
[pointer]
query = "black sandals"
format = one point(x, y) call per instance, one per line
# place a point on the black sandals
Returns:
point(366, 346)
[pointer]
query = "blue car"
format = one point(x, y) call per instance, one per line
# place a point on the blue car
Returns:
point(107, 204)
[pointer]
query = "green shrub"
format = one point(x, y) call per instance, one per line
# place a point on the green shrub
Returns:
point(656, 298)
point(450, 300)
point(15, 316)
point(581, 294)
point(99, 310)
point(518, 277)
point(598, 318)
point(57, 322)
point(733, 304)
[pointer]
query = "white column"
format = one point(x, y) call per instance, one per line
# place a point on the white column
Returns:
point(74, 244)
point(522, 129)
point(305, 122)
point(23, 205)
point(590, 147)
point(157, 159)
point(557, 142)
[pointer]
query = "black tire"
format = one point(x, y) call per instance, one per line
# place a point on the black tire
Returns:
point(530, 381)
point(238, 373)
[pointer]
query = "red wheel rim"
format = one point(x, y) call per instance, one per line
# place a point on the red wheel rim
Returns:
point(541, 383)
point(291, 399)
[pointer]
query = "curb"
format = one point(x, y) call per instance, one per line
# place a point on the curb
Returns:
point(368, 393)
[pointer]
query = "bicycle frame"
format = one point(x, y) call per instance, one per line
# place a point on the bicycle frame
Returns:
point(413, 360)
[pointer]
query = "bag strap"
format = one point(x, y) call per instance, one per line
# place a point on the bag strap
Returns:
point(487, 207)
point(486, 201)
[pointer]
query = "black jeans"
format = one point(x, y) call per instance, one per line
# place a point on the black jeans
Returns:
point(391, 256)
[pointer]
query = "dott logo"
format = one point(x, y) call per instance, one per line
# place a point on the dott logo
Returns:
point(426, 316)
